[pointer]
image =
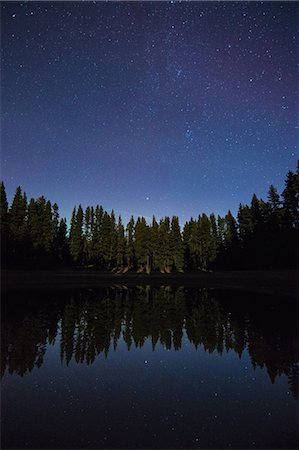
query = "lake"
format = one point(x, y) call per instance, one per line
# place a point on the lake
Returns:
point(145, 367)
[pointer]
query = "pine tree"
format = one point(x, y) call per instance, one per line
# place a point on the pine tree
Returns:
point(55, 226)
point(206, 244)
point(231, 246)
point(55, 219)
point(291, 201)
point(220, 232)
point(231, 234)
point(18, 228)
point(47, 229)
point(187, 234)
point(176, 245)
point(87, 236)
point(3, 212)
point(259, 241)
point(76, 236)
point(34, 225)
point(18, 216)
point(130, 255)
point(196, 244)
point(62, 242)
point(245, 224)
point(273, 199)
point(4, 223)
point(97, 237)
point(154, 244)
point(41, 230)
point(106, 238)
point(290, 219)
point(213, 223)
point(256, 214)
point(73, 223)
point(121, 244)
point(245, 235)
point(164, 255)
point(91, 241)
point(113, 241)
point(142, 245)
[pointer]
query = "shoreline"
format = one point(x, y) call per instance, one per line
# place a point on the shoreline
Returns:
point(271, 282)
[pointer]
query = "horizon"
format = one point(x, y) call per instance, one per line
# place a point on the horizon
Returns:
point(125, 215)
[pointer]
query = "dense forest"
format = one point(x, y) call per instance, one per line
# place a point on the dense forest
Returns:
point(263, 235)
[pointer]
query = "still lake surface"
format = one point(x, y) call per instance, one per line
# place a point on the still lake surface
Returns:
point(148, 368)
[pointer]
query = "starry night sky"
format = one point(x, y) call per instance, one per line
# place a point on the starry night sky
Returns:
point(148, 107)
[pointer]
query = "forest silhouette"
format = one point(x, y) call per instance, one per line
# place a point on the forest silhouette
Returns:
point(263, 235)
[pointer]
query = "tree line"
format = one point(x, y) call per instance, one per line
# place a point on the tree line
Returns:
point(264, 234)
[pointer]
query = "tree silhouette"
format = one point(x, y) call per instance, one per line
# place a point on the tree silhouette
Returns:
point(264, 235)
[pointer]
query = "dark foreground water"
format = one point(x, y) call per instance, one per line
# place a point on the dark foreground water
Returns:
point(148, 368)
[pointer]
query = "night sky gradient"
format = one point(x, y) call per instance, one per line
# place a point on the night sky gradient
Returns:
point(148, 107)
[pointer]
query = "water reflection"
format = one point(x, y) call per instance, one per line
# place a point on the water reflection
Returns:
point(89, 323)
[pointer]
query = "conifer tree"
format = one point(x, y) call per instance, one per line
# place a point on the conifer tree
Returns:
point(73, 223)
point(220, 242)
point(62, 242)
point(41, 230)
point(91, 241)
point(195, 243)
point(273, 199)
point(245, 235)
point(34, 226)
point(187, 232)
point(245, 224)
point(4, 223)
point(142, 245)
point(97, 237)
point(231, 234)
point(76, 236)
point(154, 244)
point(164, 255)
point(18, 228)
point(291, 200)
point(176, 245)
point(130, 243)
point(220, 231)
point(55, 226)
point(256, 213)
point(87, 236)
point(18, 216)
point(120, 244)
point(106, 239)
point(230, 245)
point(47, 228)
point(214, 238)
point(3, 212)
point(214, 230)
point(290, 219)
point(258, 244)
point(206, 241)
point(55, 219)
point(113, 241)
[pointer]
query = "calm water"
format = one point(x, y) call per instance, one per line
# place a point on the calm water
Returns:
point(148, 368)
